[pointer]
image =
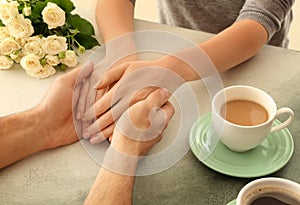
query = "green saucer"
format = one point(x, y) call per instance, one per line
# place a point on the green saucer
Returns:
point(233, 202)
point(270, 156)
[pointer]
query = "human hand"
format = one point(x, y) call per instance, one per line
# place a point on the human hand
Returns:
point(56, 108)
point(142, 125)
point(137, 131)
point(134, 81)
point(101, 60)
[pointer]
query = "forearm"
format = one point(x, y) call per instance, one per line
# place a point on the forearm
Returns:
point(236, 44)
point(115, 179)
point(20, 135)
point(114, 18)
point(111, 188)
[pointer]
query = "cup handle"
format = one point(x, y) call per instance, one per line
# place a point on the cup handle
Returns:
point(287, 121)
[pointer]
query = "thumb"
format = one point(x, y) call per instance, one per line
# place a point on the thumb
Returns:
point(81, 73)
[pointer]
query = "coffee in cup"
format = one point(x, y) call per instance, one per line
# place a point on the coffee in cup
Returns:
point(243, 116)
point(244, 112)
point(270, 190)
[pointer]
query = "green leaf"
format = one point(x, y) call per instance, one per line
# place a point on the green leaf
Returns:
point(41, 29)
point(62, 67)
point(82, 25)
point(1, 24)
point(86, 41)
point(37, 10)
point(66, 5)
point(20, 7)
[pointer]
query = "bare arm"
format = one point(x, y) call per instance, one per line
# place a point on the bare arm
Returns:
point(114, 18)
point(114, 183)
point(236, 44)
point(111, 188)
point(48, 125)
point(20, 136)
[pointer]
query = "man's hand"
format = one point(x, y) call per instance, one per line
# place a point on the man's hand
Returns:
point(114, 182)
point(142, 125)
point(48, 125)
point(56, 108)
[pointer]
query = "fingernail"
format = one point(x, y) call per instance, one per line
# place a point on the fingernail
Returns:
point(83, 119)
point(86, 63)
point(97, 84)
point(97, 139)
point(165, 93)
point(86, 135)
point(78, 115)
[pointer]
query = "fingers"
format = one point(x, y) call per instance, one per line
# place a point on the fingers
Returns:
point(111, 76)
point(85, 71)
point(158, 98)
point(82, 98)
point(169, 110)
point(99, 125)
point(100, 107)
point(81, 87)
point(142, 95)
point(100, 93)
point(105, 134)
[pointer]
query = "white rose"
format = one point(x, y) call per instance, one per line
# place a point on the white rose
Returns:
point(44, 72)
point(70, 59)
point(8, 45)
point(16, 56)
point(53, 15)
point(31, 63)
point(20, 27)
point(53, 45)
point(27, 11)
point(52, 60)
point(8, 11)
point(4, 33)
point(34, 45)
point(5, 63)
point(20, 41)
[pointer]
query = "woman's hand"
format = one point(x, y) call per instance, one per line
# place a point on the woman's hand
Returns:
point(130, 82)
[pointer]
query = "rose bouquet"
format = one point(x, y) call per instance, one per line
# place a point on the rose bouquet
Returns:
point(42, 36)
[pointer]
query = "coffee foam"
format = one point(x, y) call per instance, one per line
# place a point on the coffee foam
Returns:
point(285, 195)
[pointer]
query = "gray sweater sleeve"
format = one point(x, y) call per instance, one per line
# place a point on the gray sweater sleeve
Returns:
point(270, 13)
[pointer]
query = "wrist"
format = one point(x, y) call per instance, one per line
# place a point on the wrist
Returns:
point(119, 162)
point(121, 47)
point(21, 135)
point(125, 145)
point(191, 64)
point(40, 127)
point(177, 65)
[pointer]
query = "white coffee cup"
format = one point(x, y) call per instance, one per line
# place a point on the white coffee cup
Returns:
point(285, 190)
point(240, 137)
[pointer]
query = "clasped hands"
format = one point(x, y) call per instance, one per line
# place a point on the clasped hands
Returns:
point(127, 99)
point(119, 81)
